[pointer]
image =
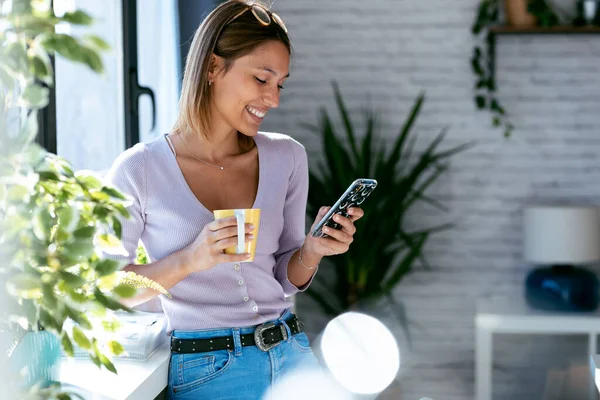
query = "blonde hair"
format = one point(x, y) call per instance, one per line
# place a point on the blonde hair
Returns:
point(225, 38)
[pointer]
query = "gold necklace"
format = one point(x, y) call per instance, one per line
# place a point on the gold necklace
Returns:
point(201, 160)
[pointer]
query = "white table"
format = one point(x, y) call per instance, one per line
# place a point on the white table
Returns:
point(136, 380)
point(595, 369)
point(511, 314)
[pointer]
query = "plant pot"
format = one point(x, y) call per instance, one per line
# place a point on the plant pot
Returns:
point(36, 359)
point(517, 14)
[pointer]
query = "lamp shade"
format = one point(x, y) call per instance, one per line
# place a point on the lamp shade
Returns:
point(561, 235)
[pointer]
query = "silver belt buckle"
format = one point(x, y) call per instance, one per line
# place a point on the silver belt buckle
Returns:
point(260, 341)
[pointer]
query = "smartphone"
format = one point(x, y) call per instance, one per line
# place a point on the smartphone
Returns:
point(355, 195)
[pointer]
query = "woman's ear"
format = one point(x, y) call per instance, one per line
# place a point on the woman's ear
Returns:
point(215, 66)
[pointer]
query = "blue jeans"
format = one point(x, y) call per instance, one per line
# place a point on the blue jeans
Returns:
point(242, 373)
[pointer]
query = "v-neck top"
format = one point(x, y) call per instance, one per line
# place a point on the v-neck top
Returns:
point(166, 217)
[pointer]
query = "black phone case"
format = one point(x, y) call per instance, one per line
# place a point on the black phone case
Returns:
point(355, 195)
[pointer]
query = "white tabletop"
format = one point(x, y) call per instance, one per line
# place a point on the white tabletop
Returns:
point(595, 367)
point(136, 380)
point(511, 313)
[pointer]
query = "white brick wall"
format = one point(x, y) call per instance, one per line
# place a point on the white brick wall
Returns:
point(393, 49)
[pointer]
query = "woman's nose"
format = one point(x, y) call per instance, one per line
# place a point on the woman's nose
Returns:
point(271, 97)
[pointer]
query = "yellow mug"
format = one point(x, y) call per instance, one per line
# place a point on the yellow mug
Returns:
point(243, 216)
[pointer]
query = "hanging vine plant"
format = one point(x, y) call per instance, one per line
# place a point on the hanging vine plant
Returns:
point(485, 86)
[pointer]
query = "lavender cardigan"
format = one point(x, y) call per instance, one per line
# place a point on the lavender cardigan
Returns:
point(166, 217)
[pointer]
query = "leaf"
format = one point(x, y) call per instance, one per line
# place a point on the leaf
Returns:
point(88, 180)
point(34, 96)
point(72, 280)
point(345, 119)
point(107, 364)
point(15, 59)
point(117, 227)
point(495, 106)
point(110, 244)
point(120, 208)
point(17, 194)
point(97, 42)
point(92, 59)
point(406, 264)
point(111, 326)
point(80, 318)
point(40, 70)
point(125, 291)
point(108, 302)
point(115, 347)
point(78, 17)
point(68, 218)
point(80, 338)
point(96, 360)
point(24, 285)
point(86, 232)
point(480, 102)
point(107, 267)
point(49, 298)
point(66, 343)
point(113, 192)
point(78, 249)
point(476, 66)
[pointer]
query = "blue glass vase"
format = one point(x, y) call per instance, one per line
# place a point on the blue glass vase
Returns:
point(37, 359)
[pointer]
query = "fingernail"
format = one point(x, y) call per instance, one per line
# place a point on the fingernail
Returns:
point(251, 226)
point(326, 229)
point(250, 237)
point(351, 211)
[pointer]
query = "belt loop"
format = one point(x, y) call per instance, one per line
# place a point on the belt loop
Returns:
point(287, 328)
point(237, 341)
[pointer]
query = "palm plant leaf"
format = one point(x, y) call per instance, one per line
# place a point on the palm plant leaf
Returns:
point(404, 266)
point(404, 132)
point(345, 119)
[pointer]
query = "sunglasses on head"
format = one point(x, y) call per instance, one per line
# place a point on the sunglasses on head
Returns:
point(262, 15)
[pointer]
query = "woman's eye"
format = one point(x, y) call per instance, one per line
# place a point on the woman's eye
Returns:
point(260, 81)
point(280, 87)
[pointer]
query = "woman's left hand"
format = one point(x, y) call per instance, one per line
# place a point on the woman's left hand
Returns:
point(339, 240)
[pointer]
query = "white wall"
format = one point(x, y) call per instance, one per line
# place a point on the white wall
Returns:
point(393, 49)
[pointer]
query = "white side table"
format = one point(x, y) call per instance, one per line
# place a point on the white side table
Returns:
point(510, 314)
point(595, 370)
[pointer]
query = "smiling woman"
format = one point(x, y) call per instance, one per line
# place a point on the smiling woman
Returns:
point(233, 334)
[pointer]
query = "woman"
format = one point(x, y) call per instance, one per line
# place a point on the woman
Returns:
point(232, 332)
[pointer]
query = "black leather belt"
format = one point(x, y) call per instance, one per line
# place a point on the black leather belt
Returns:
point(265, 337)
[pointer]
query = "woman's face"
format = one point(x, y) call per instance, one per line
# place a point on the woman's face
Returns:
point(243, 96)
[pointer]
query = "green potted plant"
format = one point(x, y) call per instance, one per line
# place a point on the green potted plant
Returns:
point(384, 251)
point(55, 223)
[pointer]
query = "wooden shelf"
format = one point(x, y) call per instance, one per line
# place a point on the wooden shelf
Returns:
point(539, 30)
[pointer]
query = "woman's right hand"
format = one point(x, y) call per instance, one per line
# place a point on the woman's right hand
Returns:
point(208, 248)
